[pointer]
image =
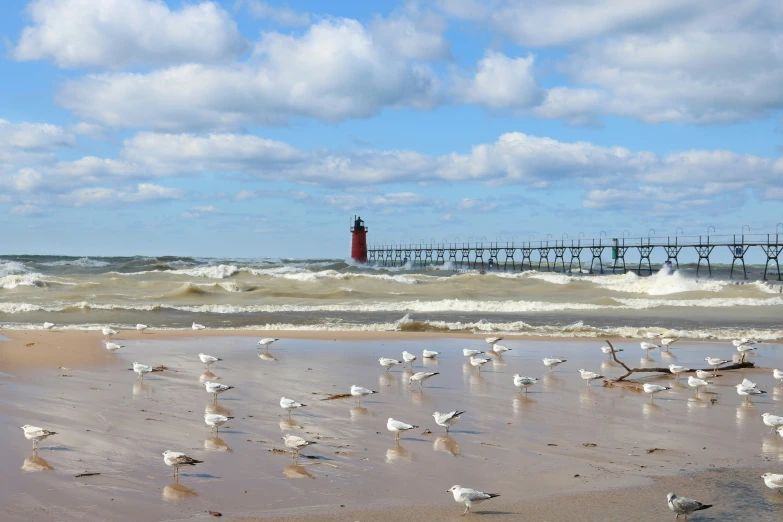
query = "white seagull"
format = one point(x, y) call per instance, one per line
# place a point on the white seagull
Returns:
point(177, 459)
point(478, 362)
point(551, 362)
point(396, 427)
point(523, 383)
point(492, 341)
point(447, 420)
point(290, 404)
point(113, 347)
point(676, 369)
point(498, 349)
point(648, 346)
point(469, 497)
point(747, 392)
point(216, 420)
point(773, 480)
point(715, 362)
point(196, 326)
point(777, 374)
point(652, 389)
point(142, 369)
point(358, 391)
point(590, 376)
point(668, 341)
point(266, 342)
point(608, 350)
point(743, 342)
point(216, 388)
point(408, 358)
point(141, 327)
point(296, 443)
point(108, 332)
point(36, 434)
point(701, 374)
point(467, 352)
point(684, 506)
point(420, 377)
point(208, 359)
point(652, 335)
point(388, 363)
point(693, 382)
point(48, 326)
point(773, 421)
point(429, 354)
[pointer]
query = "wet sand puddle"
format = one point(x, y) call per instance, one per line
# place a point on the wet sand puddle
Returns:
point(560, 437)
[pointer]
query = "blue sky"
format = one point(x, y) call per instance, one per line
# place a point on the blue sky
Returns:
point(250, 128)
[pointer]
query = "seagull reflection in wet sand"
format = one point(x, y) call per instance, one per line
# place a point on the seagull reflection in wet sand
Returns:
point(294, 471)
point(36, 463)
point(141, 388)
point(216, 444)
point(177, 491)
point(446, 444)
point(207, 376)
point(398, 454)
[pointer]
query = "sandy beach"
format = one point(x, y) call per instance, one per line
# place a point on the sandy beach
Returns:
point(549, 453)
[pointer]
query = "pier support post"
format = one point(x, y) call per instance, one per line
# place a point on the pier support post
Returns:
point(543, 254)
point(672, 251)
point(644, 253)
point(453, 254)
point(597, 252)
point(417, 257)
point(576, 253)
point(772, 250)
point(509, 251)
point(526, 252)
point(479, 250)
point(465, 256)
point(704, 251)
point(439, 259)
point(559, 251)
point(493, 255)
point(738, 252)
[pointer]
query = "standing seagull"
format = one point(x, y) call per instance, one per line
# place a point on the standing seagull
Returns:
point(266, 342)
point(388, 363)
point(668, 341)
point(478, 362)
point(684, 506)
point(652, 335)
point(492, 341)
point(296, 443)
point(715, 362)
point(701, 374)
point(500, 350)
point(652, 389)
point(216, 388)
point(396, 427)
point(290, 404)
point(773, 421)
point(113, 347)
point(408, 358)
point(358, 391)
point(677, 370)
point(590, 376)
point(36, 434)
point(467, 352)
point(208, 359)
point(743, 349)
point(142, 369)
point(196, 326)
point(469, 497)
point(648, 346)
point(693, 382)
point(746, 391)
point(608, 350)
point(48, 326)
point(215, 420)
point(177, 459)
point(524, 382)
point(420, 377)
point(447, 420)
point(551, 362)
point(429, 354)
point(773, 480)
point(108, 332)
point(141, 327)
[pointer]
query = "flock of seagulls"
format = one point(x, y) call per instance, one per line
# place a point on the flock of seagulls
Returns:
point(467, 496)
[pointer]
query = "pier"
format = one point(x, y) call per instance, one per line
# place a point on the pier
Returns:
point(572, 255)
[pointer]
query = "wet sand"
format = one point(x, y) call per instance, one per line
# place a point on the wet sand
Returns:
point(527, 448)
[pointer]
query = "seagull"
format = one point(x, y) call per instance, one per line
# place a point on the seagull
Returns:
point(715, 362)
point(266, 342)
point(743, 342)
point(773, 421)
point(693, 382)
point(469, 497)
point(296, 443)
point(551, 362)
point(773, 480)
point(589, 376)
point(668, 341)
point(48, 326)
point(478, 362)
point(36, 434)
point(684, 506)
point(608, 350)
point(141, 327)
point(108, 332)
point(176, 460)
point(652, 335)
point(216, 420)
point(777, 374)
point(408, 358)
point(398, 426)
point(743, 349)
point(358, 391)
point(524, 382)
point(498, 349)
point(208, 359)
point(113, 347)
point(196, 326)
point(648, 346)
point(420, 377)
point(652, 389)
point(779, 429)
point(677, 370)
point(749, 384)
point(467, 352)
point(142, 369)
point(447, 420)
point(290, 404)
point(492, 341)
point(216, 388)
point(701, 374)
point(388, 363)
point(429, 354)
point(746, 392)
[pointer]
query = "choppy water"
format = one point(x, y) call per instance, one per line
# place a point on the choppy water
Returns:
point(329, 294)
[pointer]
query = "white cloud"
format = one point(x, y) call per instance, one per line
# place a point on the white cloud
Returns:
point(144, 192)
point(26, 210)
point(23, 144)
point(412, 35)
point(333, 72)
point(281, 15)
point(501, 82)
point(244, 195)
point(112, 34)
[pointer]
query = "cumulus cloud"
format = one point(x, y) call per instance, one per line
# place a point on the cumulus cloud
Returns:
point(332, 72)
point(144, 192)
point(26, 210)
point(113, 34)
point(281, 15)
point(412, 35)
point(501, 82)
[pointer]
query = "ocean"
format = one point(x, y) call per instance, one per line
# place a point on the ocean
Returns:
point(332, 294)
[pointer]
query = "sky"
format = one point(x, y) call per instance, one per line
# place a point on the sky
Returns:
point(244, 128)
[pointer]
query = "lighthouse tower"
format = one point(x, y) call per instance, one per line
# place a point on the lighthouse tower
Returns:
point(358, 240)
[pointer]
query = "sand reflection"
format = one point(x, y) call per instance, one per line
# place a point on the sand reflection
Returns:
point(477, 382)
point(419, 398)
point(398, 454)
point(36, 463)
point(266, 356)
point(446, 444)
point(357, 412)
point(289, 424)
point(141, 389)
point(295, 471)
point(386, 380)
point(217, 409)
point(522, 402)
point(176, 491)
point(216, 444)
point(207, 376)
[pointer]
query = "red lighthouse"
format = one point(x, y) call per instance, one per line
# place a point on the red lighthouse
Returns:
point(359, 241)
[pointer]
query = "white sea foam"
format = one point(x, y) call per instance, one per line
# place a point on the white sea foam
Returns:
point(212, 272)
point(11, 268)
point(25, 279)
point(85, 262)
point(715, 302)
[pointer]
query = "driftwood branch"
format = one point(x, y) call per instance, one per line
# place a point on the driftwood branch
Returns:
point(629, 371)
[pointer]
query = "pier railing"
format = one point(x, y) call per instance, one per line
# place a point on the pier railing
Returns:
point(549, 254)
